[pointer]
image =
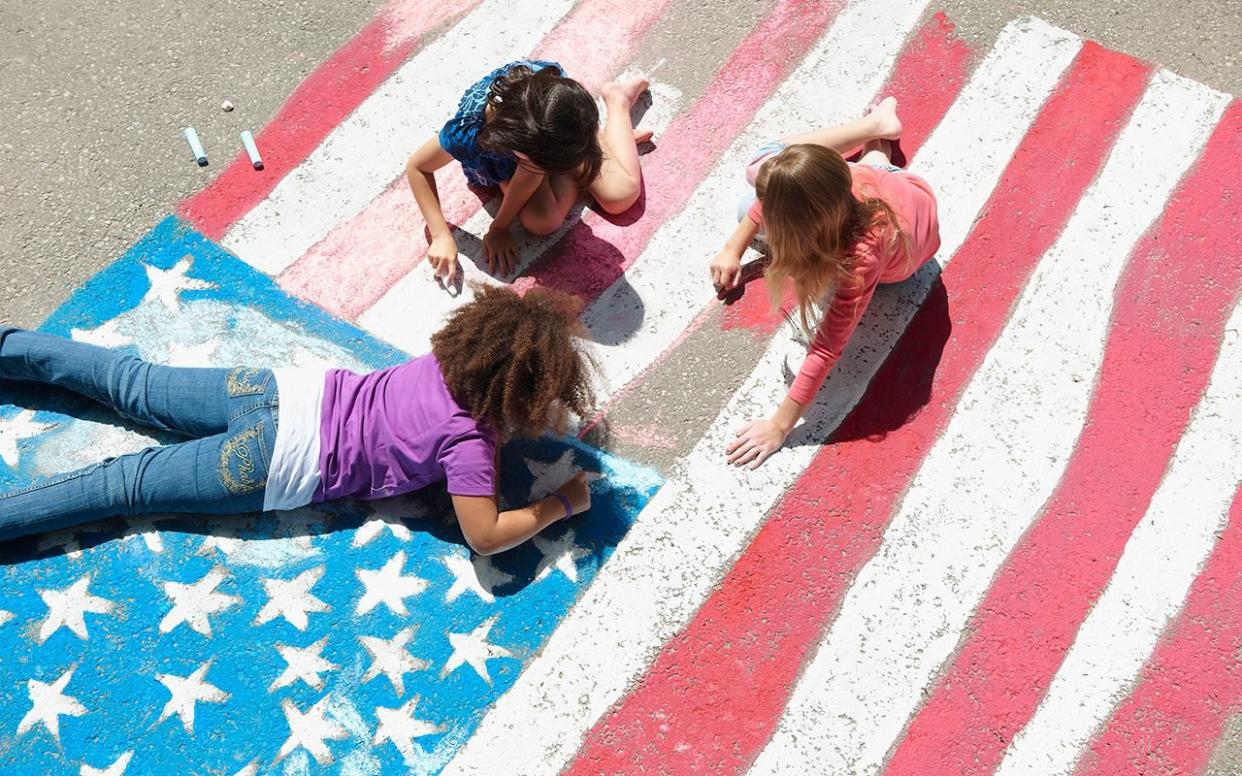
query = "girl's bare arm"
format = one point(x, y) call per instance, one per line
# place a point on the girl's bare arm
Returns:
point(489, 531)
point(420, 172)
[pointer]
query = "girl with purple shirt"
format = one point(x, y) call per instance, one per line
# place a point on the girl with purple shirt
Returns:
point(266, 439)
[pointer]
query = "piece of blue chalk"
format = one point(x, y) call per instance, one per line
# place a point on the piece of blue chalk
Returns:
point(196, 147)
point(252, 150)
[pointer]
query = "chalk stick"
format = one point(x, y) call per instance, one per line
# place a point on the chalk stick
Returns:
point(196, 147)
point(252, 150)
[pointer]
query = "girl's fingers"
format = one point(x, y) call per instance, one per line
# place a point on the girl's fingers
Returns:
point(742, 452)
point(747, 457)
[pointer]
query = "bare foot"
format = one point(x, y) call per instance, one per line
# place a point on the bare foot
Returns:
point(884, 114)
point(626, 92)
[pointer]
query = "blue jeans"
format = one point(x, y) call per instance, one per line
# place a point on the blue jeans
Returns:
point(229, 414)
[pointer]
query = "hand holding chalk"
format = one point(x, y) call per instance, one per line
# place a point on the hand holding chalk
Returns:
point(196, 147)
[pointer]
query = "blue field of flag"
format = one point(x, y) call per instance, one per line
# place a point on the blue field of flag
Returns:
point(365, 636)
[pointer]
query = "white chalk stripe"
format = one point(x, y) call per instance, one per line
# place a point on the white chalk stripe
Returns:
point(1161, 560)
point(669, 560)
point(390, 318)
point(1000, 458)
point(359, 158)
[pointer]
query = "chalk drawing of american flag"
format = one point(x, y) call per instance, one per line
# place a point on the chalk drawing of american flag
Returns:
point(1008, 538)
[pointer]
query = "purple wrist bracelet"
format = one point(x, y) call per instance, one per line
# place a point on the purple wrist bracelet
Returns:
point(569, 510)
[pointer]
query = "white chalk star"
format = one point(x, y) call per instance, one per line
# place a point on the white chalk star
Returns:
point(388, 513)
point(115, 769)
point(144, 528)
point(48, 704)
point(250, 769)
point(68, 608)
point(391, 659)
point(291, 599)
point(107, 335)
point(561, 554)
point(387, 586)
point(401, 728)
point(194, 603)
point(192, 355)
point(185, 692)
point(13, 430)
point(478, 575)
point(550, 475)
point(305, 664)
point(167, 284)
point(473, 648)
point(309, 731)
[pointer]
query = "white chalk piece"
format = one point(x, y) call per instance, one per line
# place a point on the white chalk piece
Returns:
point(252, 150)
point(196, 147)
point(226, 106)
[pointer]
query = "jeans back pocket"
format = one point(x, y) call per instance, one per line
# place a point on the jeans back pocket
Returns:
point(243, 461)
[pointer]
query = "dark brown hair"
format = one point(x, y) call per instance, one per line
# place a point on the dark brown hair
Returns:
point(814, 222)
point(551, 119)
point(515, 361)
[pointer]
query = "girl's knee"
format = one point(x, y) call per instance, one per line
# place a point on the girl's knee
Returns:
point(542, 222)
point(620, 199)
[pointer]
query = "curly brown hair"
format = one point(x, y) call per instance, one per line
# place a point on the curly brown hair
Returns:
point(515, 361)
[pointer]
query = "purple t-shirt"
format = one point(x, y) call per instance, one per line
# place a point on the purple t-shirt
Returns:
point(397, 430)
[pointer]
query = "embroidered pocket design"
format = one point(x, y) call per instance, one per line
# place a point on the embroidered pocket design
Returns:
point(242, 382)
point(240, 462)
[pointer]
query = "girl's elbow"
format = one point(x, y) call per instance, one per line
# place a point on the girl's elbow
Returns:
point(483, 545)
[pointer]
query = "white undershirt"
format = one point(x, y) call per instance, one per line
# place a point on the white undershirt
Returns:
point(294, 471)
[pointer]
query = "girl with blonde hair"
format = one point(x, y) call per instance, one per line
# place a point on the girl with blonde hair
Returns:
point(836, 230)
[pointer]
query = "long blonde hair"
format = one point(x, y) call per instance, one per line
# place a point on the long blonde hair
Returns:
point(814, 222)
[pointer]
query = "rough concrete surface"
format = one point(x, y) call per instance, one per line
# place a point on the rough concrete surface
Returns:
point(94, 97)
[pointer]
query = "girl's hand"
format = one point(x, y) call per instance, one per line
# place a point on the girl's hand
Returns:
point(726, 270)
point(755, 443)
point(443, 257)
point(578, 493)
point(500, 252)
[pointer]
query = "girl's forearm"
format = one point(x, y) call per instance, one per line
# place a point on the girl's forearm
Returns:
point(517, 525)
point(788, 414)
point(426, 196)
point(519, 191)
point(742, 236)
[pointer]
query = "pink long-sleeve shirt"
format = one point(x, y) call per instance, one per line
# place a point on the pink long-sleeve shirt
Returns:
point(875, 261)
